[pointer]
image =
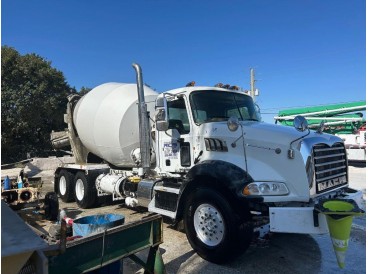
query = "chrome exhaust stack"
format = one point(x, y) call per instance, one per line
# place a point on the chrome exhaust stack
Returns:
point(144, 130)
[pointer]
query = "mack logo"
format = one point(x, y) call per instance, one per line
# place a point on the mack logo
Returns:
point(331, 183)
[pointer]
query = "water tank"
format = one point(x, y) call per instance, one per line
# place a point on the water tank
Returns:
point(106, 120)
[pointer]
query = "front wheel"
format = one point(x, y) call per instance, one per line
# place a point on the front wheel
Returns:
point(213, 228)
point(85, 191)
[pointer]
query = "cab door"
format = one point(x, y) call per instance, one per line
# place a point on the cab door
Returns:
point(174, 144)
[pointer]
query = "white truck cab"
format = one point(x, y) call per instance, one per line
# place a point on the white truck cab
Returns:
point(196, 124)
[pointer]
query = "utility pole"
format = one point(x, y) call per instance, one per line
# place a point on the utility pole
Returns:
point(252, 84)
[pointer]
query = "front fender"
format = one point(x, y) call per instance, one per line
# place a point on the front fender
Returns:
point(224, 173)
point(226, 178)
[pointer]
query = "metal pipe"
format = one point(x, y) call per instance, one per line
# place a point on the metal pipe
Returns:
point(344, 119)
point(62, 236)
point(306, 114)
point(144, 137)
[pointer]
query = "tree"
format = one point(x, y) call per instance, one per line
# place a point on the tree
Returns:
point(84, 91)
point(33, 101)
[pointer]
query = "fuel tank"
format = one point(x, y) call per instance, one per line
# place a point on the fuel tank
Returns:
point(106, 120)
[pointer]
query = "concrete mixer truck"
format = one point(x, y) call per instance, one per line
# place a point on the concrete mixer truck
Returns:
point(202, 155)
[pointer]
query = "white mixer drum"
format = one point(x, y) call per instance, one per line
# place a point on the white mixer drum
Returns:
point(106, 120)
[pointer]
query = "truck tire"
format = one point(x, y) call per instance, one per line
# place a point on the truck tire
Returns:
point(51, 206)
point(65, 186)
point(213, 228)
point(85, 191)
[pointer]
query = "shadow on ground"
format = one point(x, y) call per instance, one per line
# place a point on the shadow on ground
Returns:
point(286, 253)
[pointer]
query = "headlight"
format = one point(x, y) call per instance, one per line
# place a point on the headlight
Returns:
point(265, 188)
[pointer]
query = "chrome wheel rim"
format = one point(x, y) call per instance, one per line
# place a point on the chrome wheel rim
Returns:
point(209, 224)
point(62, 185)
point(79, 189)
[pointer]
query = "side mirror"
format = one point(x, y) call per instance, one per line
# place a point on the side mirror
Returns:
point(300, 123)
point(161, 119)
point(233, 123)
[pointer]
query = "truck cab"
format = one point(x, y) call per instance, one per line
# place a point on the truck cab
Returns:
point(212, 141)
point(195, 126)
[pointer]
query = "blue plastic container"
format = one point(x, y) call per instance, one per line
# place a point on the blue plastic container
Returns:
point(7, 185)
point(96, 223)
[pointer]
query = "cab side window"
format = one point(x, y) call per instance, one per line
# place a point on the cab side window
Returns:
point(178, 116)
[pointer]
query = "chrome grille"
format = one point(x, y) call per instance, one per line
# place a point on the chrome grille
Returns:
point(330, 166)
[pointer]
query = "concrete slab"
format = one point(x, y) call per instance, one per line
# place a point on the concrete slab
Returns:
point(38, 167)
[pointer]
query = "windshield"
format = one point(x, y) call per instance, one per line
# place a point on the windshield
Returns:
point(213, 106)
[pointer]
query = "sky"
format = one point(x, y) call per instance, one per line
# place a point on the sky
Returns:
point(304, 53)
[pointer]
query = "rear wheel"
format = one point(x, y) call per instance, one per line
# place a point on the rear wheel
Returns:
point(213, 228)
point(65, 186)
point(85, 191)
